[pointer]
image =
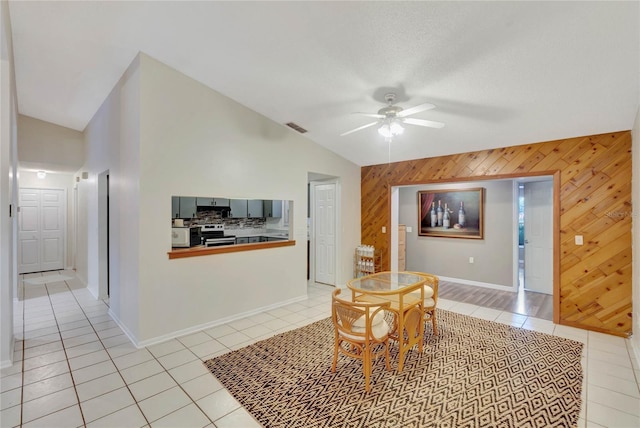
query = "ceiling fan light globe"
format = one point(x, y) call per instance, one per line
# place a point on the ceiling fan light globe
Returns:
point(396, 128)
point(390, 129)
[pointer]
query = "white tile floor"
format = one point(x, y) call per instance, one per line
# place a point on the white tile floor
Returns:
point(74, 366)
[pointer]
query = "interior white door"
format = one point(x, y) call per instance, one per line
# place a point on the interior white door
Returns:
point(538, 236)
point(29, 231)
point(325, 233)
point(41, 230)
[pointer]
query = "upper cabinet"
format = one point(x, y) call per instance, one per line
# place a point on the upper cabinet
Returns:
point(272, 208)
point(204, 202)
point(238, 208)
point(213, 202)
point(175, 207)
point(187, 207)
point(254, 208)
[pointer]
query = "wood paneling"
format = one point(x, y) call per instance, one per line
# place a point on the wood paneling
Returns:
point(593, 199)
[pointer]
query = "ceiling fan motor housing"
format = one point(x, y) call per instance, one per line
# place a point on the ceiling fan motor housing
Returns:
point(390, 111)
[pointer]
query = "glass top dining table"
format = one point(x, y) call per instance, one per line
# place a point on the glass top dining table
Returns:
point(405, 292)
point(385, 282)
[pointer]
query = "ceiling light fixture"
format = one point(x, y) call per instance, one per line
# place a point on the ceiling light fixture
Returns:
point(390, 128)
point(41, 174)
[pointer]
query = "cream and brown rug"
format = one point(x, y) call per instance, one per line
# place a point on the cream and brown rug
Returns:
point(476, 373)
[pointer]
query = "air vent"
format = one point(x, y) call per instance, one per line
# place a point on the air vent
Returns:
point(296, 127)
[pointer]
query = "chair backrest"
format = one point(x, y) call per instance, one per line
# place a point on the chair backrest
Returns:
point(355, 319)
point(432, 281)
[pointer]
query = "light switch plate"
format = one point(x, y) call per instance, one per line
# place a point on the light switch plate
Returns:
point(384, 229)
point(409, 229)
point(579, 240)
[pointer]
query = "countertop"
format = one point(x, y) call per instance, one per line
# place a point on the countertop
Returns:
point(200, 250)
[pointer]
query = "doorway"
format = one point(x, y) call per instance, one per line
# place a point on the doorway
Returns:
point(41, 229)
point(103, 235)
point(537, 205)
point(323, 221)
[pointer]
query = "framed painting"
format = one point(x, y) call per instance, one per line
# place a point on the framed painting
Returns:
point(451, 213)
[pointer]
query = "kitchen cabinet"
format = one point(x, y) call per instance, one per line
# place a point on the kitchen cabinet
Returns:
point(242, 240)
point(273, 238)
point(254, 208)
point(204, 202)
point(175, 207)
point(214, 202)
point(272, 208)
point(254, 239)
point(238, 208)
point(187, 207)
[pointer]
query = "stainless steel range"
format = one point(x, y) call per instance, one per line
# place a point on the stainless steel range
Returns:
point(213, 235)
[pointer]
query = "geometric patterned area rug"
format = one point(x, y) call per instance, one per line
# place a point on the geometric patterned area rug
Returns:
point(475, 373)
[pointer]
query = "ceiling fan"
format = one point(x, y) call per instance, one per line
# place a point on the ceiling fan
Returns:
point(392, 118)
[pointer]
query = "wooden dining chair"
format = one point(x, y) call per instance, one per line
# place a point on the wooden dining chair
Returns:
point(430, 299)
point(361, 332)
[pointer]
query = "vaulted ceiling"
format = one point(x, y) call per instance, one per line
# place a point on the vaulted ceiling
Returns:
point(499, 73)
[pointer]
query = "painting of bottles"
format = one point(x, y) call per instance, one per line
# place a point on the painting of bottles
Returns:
point(451, 213)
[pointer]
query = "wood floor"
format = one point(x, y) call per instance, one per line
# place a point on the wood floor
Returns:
point(528, 303)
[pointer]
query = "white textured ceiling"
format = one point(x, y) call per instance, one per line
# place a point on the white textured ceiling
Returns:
point(500, 73)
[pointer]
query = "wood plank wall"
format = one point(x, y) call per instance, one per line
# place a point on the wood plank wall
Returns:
point(593, 199)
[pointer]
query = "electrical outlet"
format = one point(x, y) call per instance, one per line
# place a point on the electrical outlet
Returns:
point(579, 240)
point(384, 229)
point(471, 260)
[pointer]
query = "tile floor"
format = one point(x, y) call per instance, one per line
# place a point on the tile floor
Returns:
point(74, 366)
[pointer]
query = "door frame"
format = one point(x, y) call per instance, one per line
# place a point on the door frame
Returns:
point(547, 212)
point(554, 175)
point(103, 236)
point(312, 227)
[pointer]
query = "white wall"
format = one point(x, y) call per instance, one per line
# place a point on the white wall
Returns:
point(195, 141)
point(448, 257)
point(29, 179)
point(8, 165)
point(112, 144)
point(62, 148)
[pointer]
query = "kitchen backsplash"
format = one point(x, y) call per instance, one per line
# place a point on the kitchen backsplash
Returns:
point(215, 217)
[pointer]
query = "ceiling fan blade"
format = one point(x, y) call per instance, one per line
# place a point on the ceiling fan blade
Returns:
point(422, 122)
point(358, 129)
point(416, 109)
point(376, 115)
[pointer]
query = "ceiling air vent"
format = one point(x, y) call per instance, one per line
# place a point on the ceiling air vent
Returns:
point(296, 127)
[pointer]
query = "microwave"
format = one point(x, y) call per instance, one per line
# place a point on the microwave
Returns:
point(184, 237)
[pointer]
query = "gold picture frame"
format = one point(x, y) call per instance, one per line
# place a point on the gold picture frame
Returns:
point(468, 223)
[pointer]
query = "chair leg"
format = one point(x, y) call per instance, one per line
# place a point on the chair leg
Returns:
point(434, 322)
point(335, 356)
point(386, 354)
point(366, 364)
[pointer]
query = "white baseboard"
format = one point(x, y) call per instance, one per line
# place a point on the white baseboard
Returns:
point(635, 349)
point(196, 328)
point(479, 284)
point(8, 363)
point(124, 329)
